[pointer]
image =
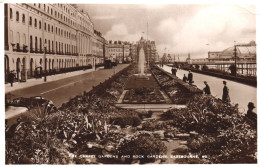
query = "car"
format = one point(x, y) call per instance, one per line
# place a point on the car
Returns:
point(13, 113)
point(20, 106)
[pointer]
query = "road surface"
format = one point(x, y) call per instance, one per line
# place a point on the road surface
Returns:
point(61, 91)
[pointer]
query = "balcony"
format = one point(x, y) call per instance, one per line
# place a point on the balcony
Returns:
point(25, 48)
point(18, 49)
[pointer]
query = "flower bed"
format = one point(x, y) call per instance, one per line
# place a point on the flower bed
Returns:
point(177, 92)
point(88, 124)
point(144, 95)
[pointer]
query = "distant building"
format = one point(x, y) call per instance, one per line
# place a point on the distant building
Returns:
point(133, 52)
point(119, 51)
point(149, 49)
point(245, 53)
point(98, 47)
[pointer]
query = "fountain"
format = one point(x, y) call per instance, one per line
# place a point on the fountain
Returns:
point(141, 66)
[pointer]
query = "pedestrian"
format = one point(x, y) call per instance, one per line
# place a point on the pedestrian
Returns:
point(206, 89)
point(174, 70)
point(11, 77)
point(225, 96)
point(250, 114)
point(190, 77)
point(184, 79)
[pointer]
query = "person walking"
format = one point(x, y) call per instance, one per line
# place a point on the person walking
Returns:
point(175, 71)
point(11, 77)
point(206, 90)
point(172, 70)
point(184, 79)
point(190, 77)
point(225, 96)
point(250, 114)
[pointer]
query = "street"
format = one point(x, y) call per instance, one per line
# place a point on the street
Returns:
point(61, 91)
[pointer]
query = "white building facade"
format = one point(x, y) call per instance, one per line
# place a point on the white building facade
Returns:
point(119, 52)
point(49, 37)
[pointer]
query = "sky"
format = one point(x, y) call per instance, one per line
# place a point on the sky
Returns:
point(177, 29)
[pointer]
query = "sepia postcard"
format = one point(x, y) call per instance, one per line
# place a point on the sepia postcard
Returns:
point(130, 83)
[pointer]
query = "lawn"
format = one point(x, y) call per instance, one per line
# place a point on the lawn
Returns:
point(133, 83)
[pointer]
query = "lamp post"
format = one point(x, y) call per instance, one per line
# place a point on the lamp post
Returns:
point(235, 54)
point(45, 64)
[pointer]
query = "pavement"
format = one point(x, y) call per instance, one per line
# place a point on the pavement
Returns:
point(239, 93)
point(38, 81)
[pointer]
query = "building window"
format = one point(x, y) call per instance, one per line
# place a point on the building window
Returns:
point(40, 25)
point(56, 46)
point(44, 7)
point(55, 14)
point(39, 5)
point(56, 30)
point(36, 45)
point(49, 45)
point(40, 44)
point(45, 26)
point(51, 11)
point(23, 18)
point(48, 9)
point(17, 16)
point(52, 46)
point(31, 46)
point(52, 29)
point(11, 13)
point(48, 27)
point(35, 23)
point(30, 21)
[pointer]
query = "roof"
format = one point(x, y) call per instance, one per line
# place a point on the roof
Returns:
point(242, 51)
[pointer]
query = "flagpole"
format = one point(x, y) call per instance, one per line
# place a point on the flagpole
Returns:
point(147, 47)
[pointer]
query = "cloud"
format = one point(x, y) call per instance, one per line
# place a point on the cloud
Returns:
point(120, 32)
point(218, 25)
point(104, 17)
point(181, 28)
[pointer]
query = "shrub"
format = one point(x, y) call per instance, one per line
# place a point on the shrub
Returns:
point(124, 118)
point(205, 68)
point(232, 68)
point(141, 144)
point(154, 125)
point(225, 135)
point(144, 114)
